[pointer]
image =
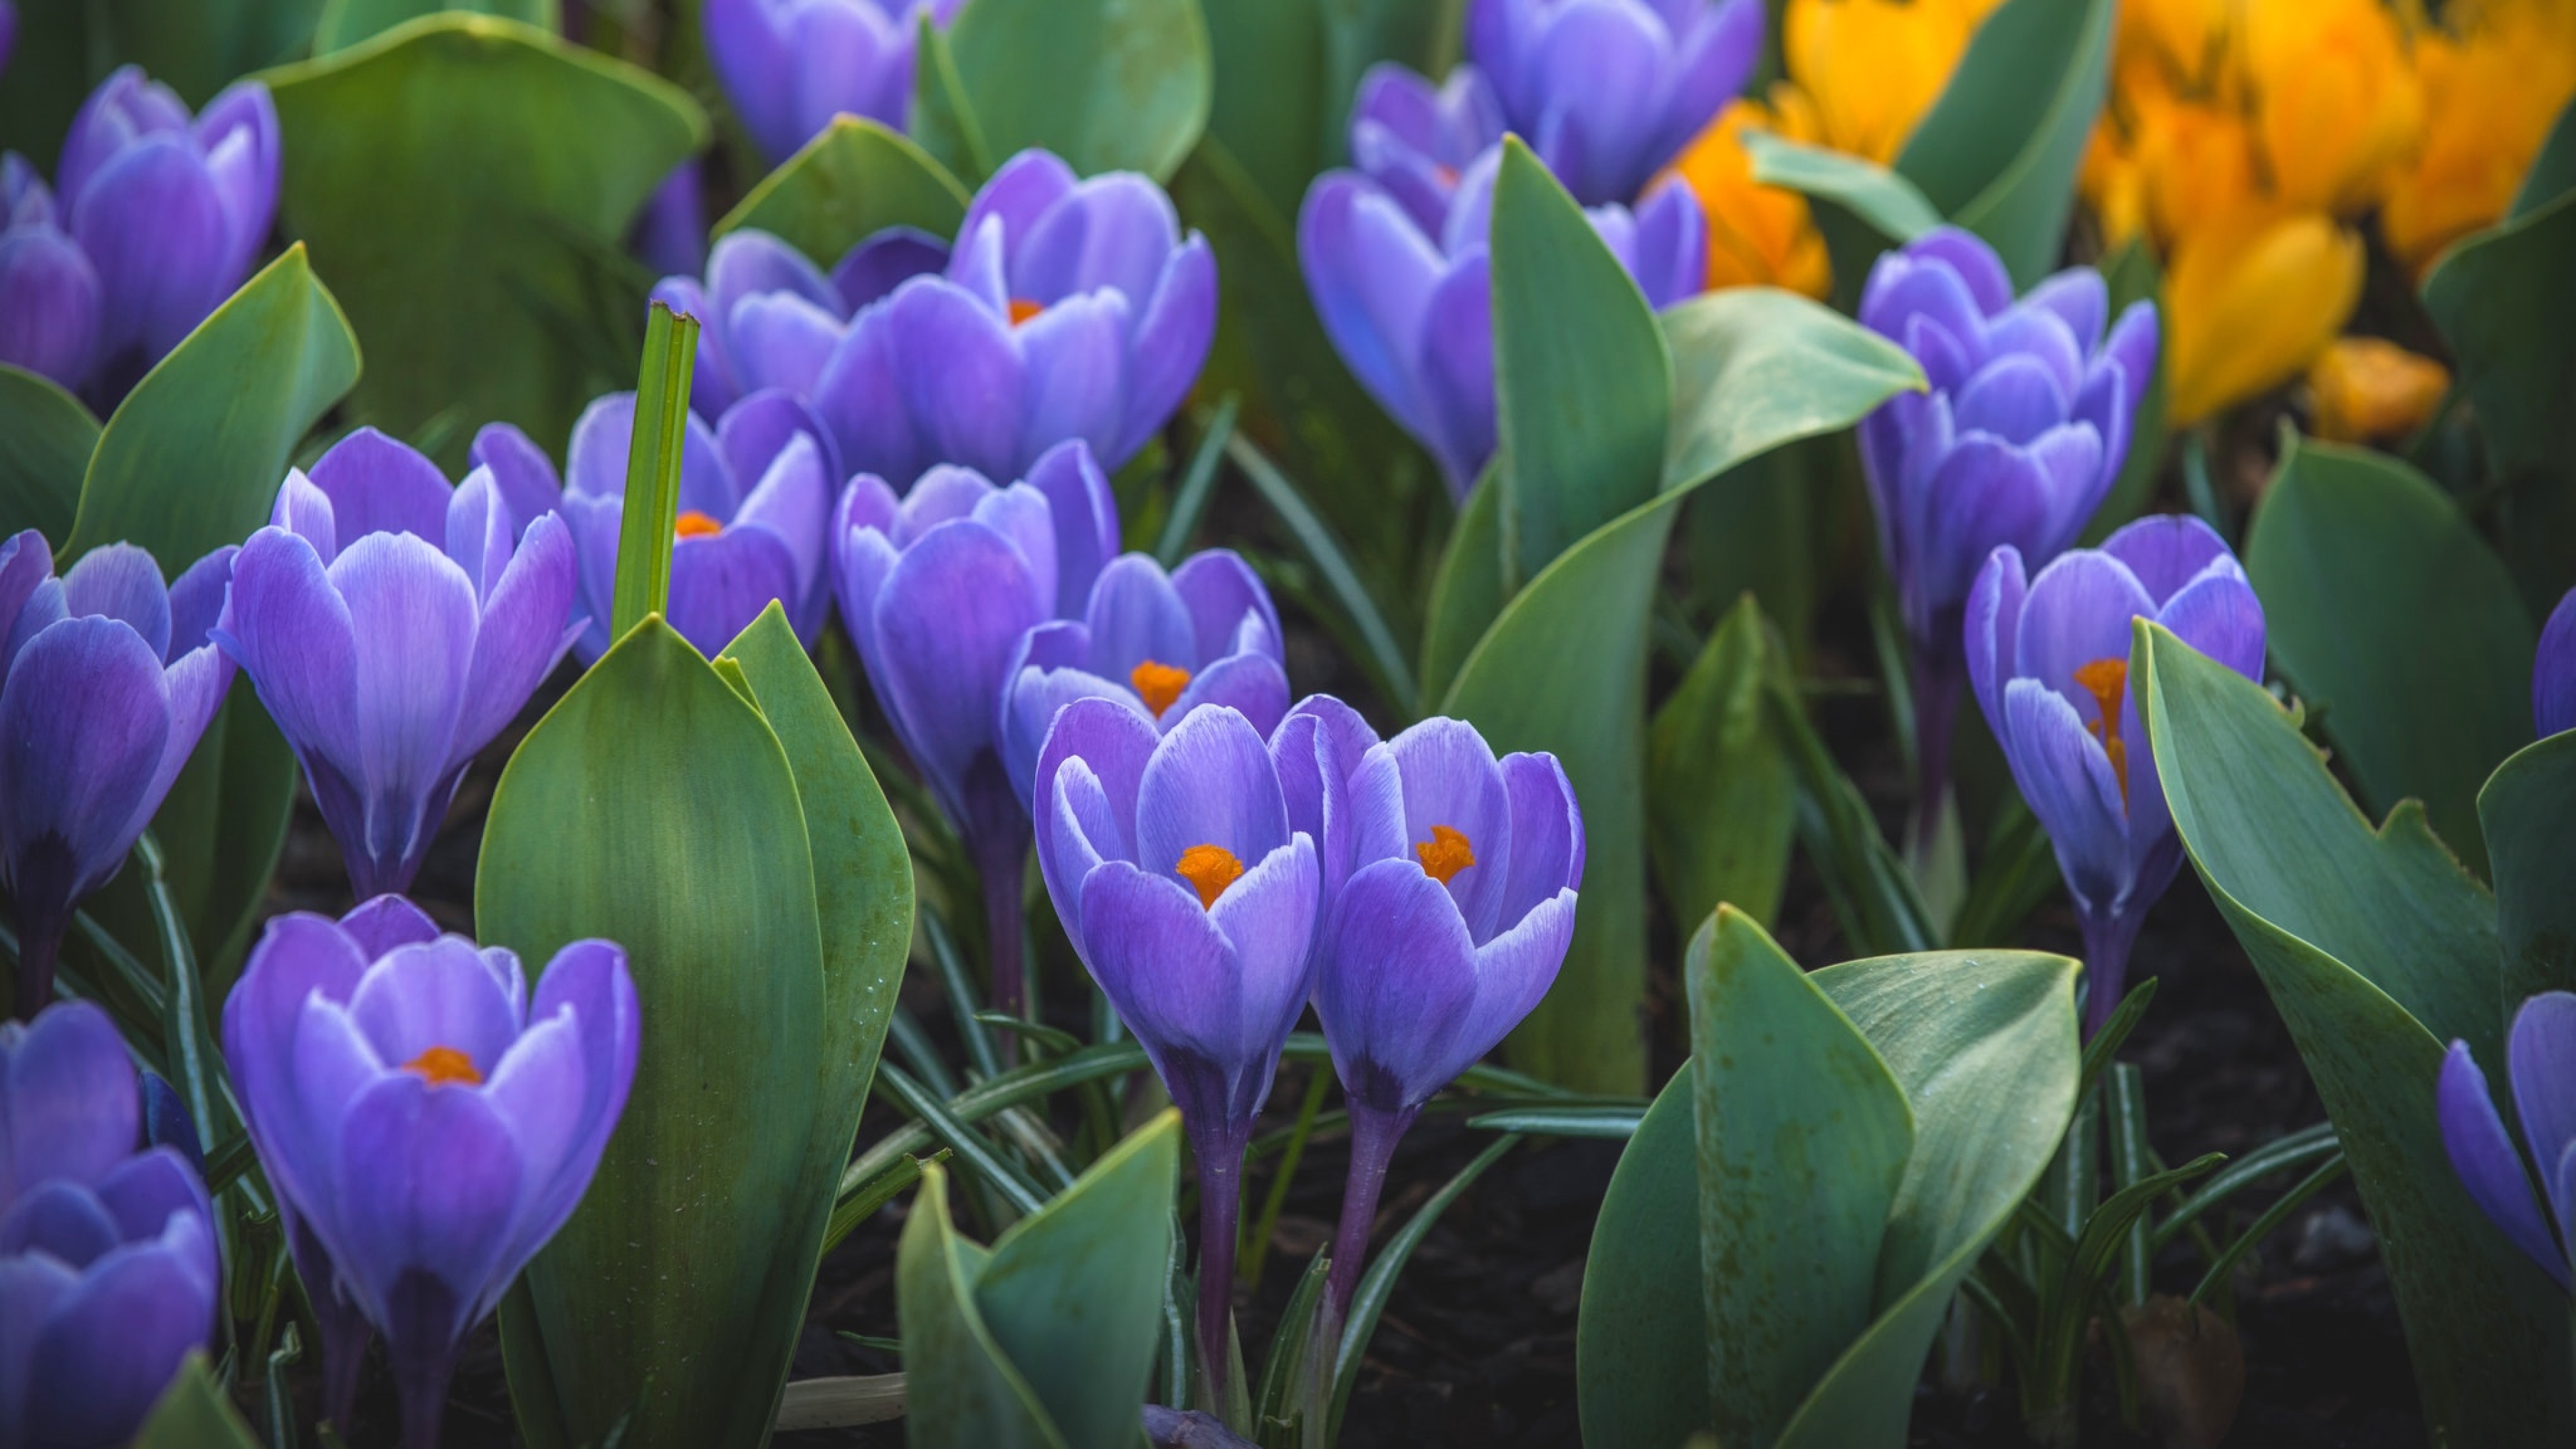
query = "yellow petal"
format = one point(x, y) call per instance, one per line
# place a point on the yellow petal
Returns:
point(1758, 236)
point(1873, 67)
point(2338, 108)
point(2490, 95)
point(2368, 389)
point(2251, 303)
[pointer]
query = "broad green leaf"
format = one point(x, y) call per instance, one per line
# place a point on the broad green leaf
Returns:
point(466, 182)
point(193, 1414)
point(46, 437)
point(942, 116)
point(2132, 276)
point(1582, 382)
point(854, 180)
point(960, 1389)
point(1755, 367)
point(2384, 604)
point(1109, 85)
point(346, 22)
point(1721, 803)
point(2529, 811)
point(1997, 153)
point(1892, 205)
point(1270, 100)
point(2377, 948)
point(1468, 591)
point(654, 806)
point(1803, 1136)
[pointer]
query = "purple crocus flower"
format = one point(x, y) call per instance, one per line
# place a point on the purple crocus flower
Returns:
point(790, 66)
point(1417, 140)
point(1452, 911)
point(107, 1253)
point(1411, 309)
point(2553, 671)
point(2050, 661)
point(1607, 91)
point(48, 290)
point(2540, 1060)
point(769, 318)
point(2021, 433)
point(670, 234)
point(393, 626)
point(1072, 308)
point(1160, 644)
point(109, 681)
point(425, 1124)
point(1192, 900)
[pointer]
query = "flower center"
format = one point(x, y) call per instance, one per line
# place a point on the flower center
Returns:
point(693, 524)
point(1022, 309)
point(1158, 684)
point(1209, 869)
point(2106, 680)
point(1445, 854)
point(445, 1066)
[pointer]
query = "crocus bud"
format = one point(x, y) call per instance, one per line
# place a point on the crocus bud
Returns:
point(1608, 91)
point(424, 1123)
point(2255, 300)
point(109, 681)
point(393, 626)
point(1411, 312)
point(789, 66)
point(48, 290)
point(2553, 670)
point(2540, 1060)
point(2050, 661)
point(107, 1252)
point(1160, 644)
point(1416, 139)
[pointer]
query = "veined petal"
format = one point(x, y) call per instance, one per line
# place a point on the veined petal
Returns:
point(83, 720)
point(428, 1182)
point(438, 993)
point(2066, 778)
point(1135, 615)
point(2488, 1166)
point(2078, 611)
point(1394, 984)
point(1210, 782)
point(1173, 330)
point(1450, 778)
point(520, 637)
point(1075, 355)
point(120, 581)
point(72, 1106)
point(377, 484)
point(1084, 515)
point(721, 582)
point(1219, 589)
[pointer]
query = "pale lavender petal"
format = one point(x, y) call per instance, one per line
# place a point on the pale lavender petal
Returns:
point(1394, 984)
point(120, 581)
point(1085, 518)
point(2066, 778)
point(436, 994)
point(1450, 778)
point(1210, 782)
point(377, 484)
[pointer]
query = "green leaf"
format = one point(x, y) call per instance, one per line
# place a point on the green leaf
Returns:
point(1892, 205)
point(46, 437)
point(1983, 1044)
point(960, 1389)
point(1467, 592)
point(654, 442)
point(1754, 368)
point(854, 180)
point(467, 182)
point(2373, 945)
point(1582, 381)
point(2529, 811)
point(654, 806)
point(2382, 601)
point(1998, 152)
point(193, 1414)
point(346, 22)
point(2131, 275)
point(1109, 85)
point(1721, 804)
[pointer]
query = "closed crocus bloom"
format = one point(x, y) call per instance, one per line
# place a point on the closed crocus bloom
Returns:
point(2368, 389)
point(393, 625)
point(790, 66)
point(427, 1124)
point(170, 211)
point(2254, 302)
point(2553, 670)
point(109, 681)
point(1412, 314)
point(2198, 166)
point(769, 318)
point(1161, 644)
point(107, 1249)
point(1416, 139)
point(1758, 236)
point(1608, 91)
point(755, 497)
point(2540, 1065)
point(1192, 902)
point(2050, 661)
point(1871, 68)
point(1072, 308)
point(2494, 78)
point(48, 290)
point(2337, 107)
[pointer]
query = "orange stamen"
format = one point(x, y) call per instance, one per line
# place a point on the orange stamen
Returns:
point(1209, 869)
point(1445, 854)
point(1022, 309)
point(2107, 680)
point(444, 1066)
point(693, 524)
point(1158, 684)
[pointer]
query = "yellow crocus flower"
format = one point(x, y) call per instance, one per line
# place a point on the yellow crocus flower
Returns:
point(2337, 107)
point(2251, 301)
point(1757, 235)
point(2493, 83)
point(1871, 68)
point(2368, 389)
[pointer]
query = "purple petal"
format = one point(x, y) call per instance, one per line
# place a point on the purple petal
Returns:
point(120, 581)
point(1075, 355)
point(2553, 670)
point(1316, 748)
point(1085, 517)
point(2133, 344)
point(125, 108)
point(197, 601)
point(71, 1108)
point(1267, 917)
point(1975, 264)
point(780, 340)
point(1210, 782)
point(49, 304)
point(2078, 613)
point(1457, 374)
point(305, 511)
point(1166, 968)
point(2541, 1057)
point(753, 432)
point(2066, 778)
point(239, 135)
point(2043, 336)
point(429, 1179)
point(1371, 274)
point(757, 68)
point(1916, 282)
point(2080, 300)
point(1547, 834)
point(2016, 399)
point(1252, 685)
point(439, 993)
point(148, 1189)
point(1599, 74)
point(29, 1289)
point(886, 260)
point(586, 995)
point(1136, 617)
point(299, 957)
point(1513, 973)
point(849, 58)
point(412, 613)
point(790, 503)
point(197, 681)
point(1115, 231)
point(83, 719)
point(2219, 615)
point(1449, 777)
point(1220, 589)
point(480, 531)
point(945, 624)
point(26, 572)
point(377, 926)
point(1670, 254)
point(1395, 984)
point(1022, 191)
point(961, 375)
point(1985, 493)
point(1993, 627)
point(1080, 828)
point(721, 581)
point(155, 228)
point(379, 485)
point(113, 1342)
point(2488, 1166)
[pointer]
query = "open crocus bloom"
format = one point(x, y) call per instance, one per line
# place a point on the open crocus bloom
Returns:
point(769, 318)
point(2540, 1059)
point(2553, 670)
point(2049, 658)
point(423, 1121)
point(107, 1255)
point(1607, 91)
point(393, 626)
point(1416, 139)
point(1161, 644)
point(789, 66)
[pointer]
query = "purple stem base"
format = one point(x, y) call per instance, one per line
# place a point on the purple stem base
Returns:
point(1374, 1133)
point(2107, 940)
point(1219, 1151)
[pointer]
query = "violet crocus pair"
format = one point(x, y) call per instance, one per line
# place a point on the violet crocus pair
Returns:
point(426, 1125)
point(109, 682)
point(393, 625)
point(790, 66)
point(154, 218)
point(108, 1272)
point(1070, 308)
point(2049, 659)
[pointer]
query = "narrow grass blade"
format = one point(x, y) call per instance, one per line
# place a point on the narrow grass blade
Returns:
point(971, 1148)
point(653, 469)
point(1383, 656)
point(1198, 485)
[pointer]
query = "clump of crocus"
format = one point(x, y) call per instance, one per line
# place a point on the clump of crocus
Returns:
point(1192, 899)
point(154, 219)
point(937, 588)
point(1608, 91)
point(755, 491)
point(1411, 310)
point(108, 1275)
point(1161, 644)
point(769, 318)
point(2019, 437)
point(427, 1127)
point(1450, 881)
point(109, 681)
point(2553, 670)
point(2540, 1060)
point(2050, 660)
point(789, 66)
point(394, 625)
point(1416, 139)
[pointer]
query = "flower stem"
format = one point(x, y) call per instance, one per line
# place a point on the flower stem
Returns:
point(1373, 1137)
point(423, 1389)
point(40, 945)
point(1220, 1157)
point(2107, 939)
point(1002, 934)
point(1938, 672)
